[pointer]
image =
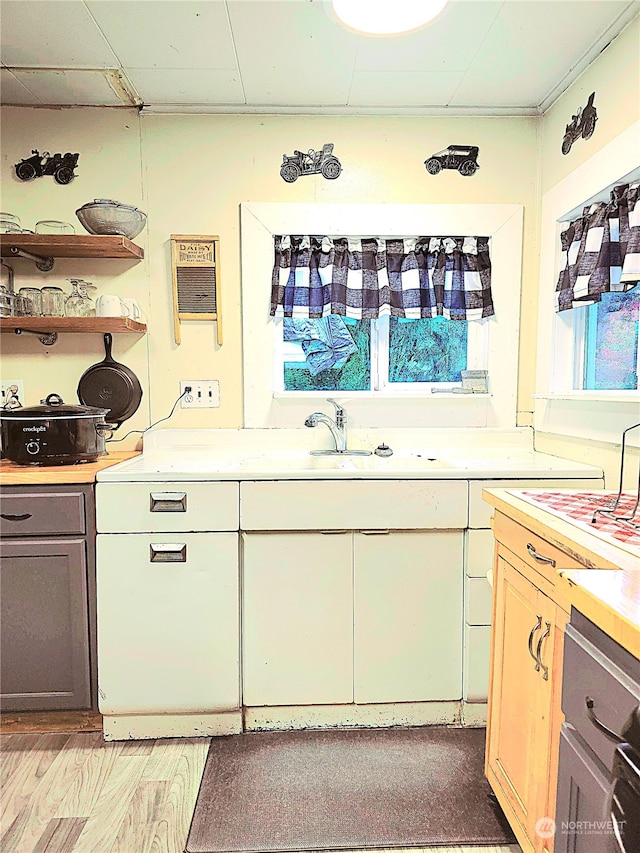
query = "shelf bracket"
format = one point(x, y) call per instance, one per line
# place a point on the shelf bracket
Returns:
point(43, 264)
point(47, 339)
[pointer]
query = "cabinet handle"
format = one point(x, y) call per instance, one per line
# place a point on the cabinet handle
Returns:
point(540, 665)
point(539, 557)
point(375, 532)
point(18, 517)
point(168, 502)
point(533, 630)
point(588, 701)
point(168, 553)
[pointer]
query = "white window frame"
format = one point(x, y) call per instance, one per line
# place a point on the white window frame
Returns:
point(559, 407)
point(503, 223)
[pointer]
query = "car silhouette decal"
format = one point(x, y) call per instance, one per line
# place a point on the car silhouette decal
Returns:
point(462, 158)
point(323, 162)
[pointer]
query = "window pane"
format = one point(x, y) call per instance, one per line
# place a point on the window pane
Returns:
point(354, 375)
point(611, 342)
point(433, 350)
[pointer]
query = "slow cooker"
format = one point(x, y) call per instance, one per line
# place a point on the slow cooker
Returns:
point(53, 433)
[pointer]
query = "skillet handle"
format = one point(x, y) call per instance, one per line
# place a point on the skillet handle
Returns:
point(108, 341)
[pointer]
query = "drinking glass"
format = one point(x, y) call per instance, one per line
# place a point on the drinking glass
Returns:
point(52, 302)
point(33, 300)
point(54, 226)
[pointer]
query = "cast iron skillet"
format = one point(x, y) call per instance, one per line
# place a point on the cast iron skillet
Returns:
point(110, 385)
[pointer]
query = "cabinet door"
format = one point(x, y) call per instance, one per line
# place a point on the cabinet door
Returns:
point(44, 625)
point(520, 700)
point(407, 616)
point(583, 822)
point(297, 619)
point(168, 623)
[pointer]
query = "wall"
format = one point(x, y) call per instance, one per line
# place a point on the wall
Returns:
point(190, 173)
point(615, 78)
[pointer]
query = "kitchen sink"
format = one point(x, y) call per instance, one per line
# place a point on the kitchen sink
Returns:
point(301, 462)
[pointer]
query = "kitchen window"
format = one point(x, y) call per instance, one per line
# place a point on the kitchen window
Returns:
point(492, 343)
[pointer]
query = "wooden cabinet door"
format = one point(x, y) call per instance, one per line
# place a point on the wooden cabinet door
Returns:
point(297, 618)
point(44, 625)
point(407, 616)
point(520, 701)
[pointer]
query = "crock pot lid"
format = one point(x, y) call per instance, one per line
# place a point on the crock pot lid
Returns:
point(53, 407)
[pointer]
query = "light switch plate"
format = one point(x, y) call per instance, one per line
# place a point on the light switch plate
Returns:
point(204, 394)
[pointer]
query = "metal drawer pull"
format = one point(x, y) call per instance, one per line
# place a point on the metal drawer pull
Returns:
point(588, 701)
point(540, 665)
point(533, 630)
point(375, 532)
point(168, 502)
point(19, 517)
point(168, 553)
point(539, 557)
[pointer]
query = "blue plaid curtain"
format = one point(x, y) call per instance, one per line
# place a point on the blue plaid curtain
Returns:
point(601, 250)
point(366, 278)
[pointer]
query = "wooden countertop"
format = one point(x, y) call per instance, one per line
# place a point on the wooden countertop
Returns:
point(85, 472)
point(610, 599)
point(583, 546)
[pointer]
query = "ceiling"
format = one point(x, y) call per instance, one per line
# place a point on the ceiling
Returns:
point(489, 57)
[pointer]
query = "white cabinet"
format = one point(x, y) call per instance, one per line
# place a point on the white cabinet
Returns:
point(297, 619)
point(341, 617)
point(407, 616)
point(168, 623)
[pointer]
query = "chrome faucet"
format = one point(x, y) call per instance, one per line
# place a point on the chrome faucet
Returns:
point(337, 428)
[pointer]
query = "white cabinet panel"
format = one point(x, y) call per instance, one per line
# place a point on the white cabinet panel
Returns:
point(297, 619)
point(478, 602)
point(168, 631)
point(408, 616)
point(477, 642)
point(353, 505)
point(480, 546)
point(166, 507)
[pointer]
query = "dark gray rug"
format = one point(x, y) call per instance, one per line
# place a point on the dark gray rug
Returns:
point(337, 789)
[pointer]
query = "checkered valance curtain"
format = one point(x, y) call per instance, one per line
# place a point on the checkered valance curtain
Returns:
point(365, 278)
point(601, 250)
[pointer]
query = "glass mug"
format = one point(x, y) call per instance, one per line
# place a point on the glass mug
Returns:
point(52, 302)
point(32, 300)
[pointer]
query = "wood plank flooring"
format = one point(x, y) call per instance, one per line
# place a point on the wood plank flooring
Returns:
point(74, 793)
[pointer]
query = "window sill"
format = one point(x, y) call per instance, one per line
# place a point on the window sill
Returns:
point(378, 396)
point(593, 396)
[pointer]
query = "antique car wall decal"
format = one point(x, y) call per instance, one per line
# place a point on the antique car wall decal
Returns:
point(582, 124)
point(61, 167)
point(464, 158)
point(322, 162)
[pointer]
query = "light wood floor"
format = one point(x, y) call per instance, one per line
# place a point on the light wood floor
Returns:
point(74, 793)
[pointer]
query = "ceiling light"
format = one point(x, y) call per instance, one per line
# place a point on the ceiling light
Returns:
point(387, 17)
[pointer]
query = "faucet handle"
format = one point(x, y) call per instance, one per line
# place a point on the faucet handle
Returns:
point(339, 409)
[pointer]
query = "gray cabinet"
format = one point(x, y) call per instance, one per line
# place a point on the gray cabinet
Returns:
point(601, 687)
point(47, 580)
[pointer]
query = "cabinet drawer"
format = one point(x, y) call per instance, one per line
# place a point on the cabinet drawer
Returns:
point(43, 514)
point(538, 554)
point(354, 505)
point(166, 507)
point(614, 687)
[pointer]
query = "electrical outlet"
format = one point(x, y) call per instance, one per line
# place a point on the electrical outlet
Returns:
point(204, 394)
point(11, 393)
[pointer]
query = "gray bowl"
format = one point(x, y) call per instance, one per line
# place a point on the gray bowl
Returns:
point(104, 216)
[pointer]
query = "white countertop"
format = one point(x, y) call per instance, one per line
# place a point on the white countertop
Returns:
point(285, 454)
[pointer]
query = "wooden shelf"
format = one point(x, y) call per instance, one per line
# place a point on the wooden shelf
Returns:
point(70, 246)
point(46, 325)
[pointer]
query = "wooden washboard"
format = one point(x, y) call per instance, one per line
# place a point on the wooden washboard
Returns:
point(195, 260)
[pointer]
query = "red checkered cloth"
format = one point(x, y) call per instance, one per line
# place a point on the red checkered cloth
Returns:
point(578, 507)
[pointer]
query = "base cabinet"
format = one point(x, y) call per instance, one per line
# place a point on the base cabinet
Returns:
point(47, 601)
point(351, 616)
